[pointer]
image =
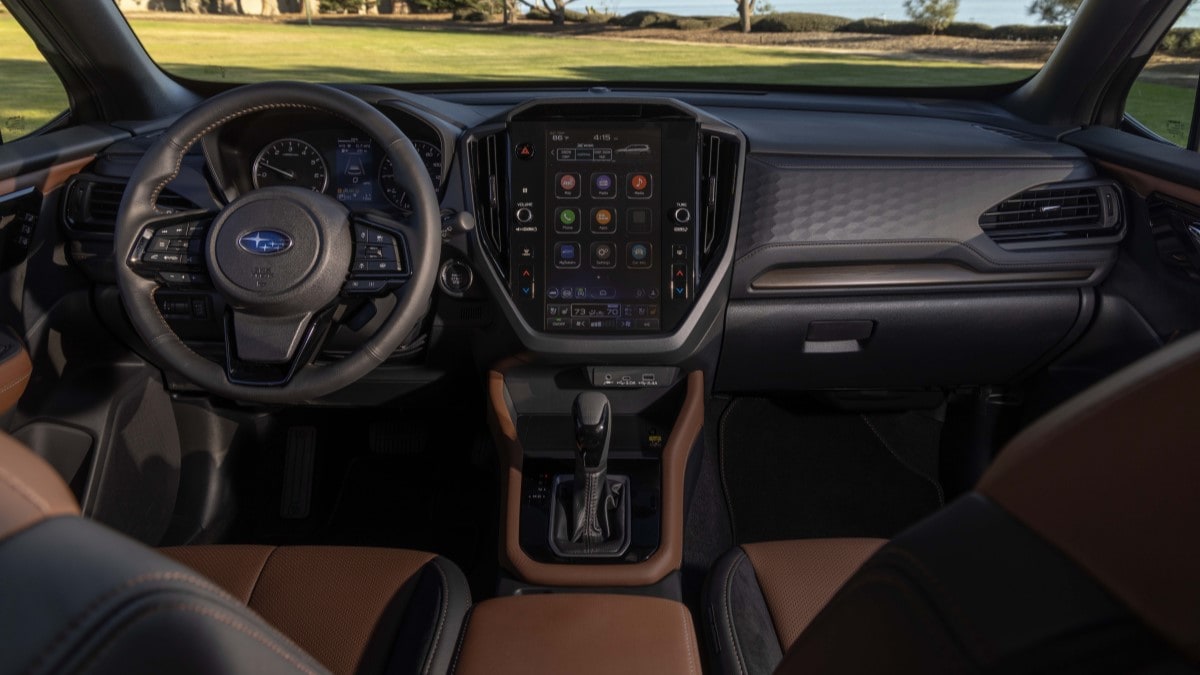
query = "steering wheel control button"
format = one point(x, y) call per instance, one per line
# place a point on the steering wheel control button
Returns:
point(604, 221)
point(566, 221)
point(566, 186)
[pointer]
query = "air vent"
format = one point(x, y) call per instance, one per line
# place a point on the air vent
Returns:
point(718, 184)
point(486, 172)
point(1064, 214)
point(91, 204)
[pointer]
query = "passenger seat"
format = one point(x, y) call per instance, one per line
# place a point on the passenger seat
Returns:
point(1077, 552)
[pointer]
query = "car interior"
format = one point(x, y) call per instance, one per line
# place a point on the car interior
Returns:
point(598, 377)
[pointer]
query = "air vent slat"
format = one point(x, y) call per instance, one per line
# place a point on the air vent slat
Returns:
point(92, 204)
point(718, 169)
point(485, 158)
point(1050, 214)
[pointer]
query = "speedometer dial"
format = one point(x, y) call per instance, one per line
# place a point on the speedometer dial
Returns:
point(290, 162)
point(431, 156)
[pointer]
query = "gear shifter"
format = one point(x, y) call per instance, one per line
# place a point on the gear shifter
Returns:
point(592, 511)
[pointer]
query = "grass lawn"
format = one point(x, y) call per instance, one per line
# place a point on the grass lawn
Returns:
point(248, 51)
point(1165, 109)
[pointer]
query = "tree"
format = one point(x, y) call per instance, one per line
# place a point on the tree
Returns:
point(933, 14)
point(1054, 11)
point(557, 9)
point(745, 11)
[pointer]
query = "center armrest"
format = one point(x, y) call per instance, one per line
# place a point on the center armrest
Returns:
point(580, 634)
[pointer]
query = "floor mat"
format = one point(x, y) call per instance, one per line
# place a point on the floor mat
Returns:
point(416, 481)
point(789, 473)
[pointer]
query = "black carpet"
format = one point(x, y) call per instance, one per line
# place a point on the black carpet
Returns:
point(419, 481)
point(790, 473)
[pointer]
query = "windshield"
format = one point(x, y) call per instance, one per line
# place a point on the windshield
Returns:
point(848, 43)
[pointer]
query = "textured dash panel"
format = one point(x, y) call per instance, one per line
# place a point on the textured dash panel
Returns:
point(789, 200)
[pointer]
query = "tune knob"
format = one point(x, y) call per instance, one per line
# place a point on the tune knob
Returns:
point(682, 215)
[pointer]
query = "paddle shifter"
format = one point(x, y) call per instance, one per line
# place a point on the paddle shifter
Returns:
point(591, 511)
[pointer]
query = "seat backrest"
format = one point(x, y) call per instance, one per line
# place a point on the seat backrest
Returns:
point(1076, 553)
point(78, 597)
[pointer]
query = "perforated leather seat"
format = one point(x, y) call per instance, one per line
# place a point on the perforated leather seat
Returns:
point(77, 596)
point(1075, 553)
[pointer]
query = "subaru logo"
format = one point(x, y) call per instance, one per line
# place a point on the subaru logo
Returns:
point(265, 242)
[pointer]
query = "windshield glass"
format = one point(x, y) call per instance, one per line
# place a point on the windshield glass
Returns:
point(853, 43)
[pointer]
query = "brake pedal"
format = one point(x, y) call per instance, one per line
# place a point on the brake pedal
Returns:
point(298, 463)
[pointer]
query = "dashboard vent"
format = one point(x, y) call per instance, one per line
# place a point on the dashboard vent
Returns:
point(91, 204)
point(1061, 214)
point(718, 185)
point(486, 171)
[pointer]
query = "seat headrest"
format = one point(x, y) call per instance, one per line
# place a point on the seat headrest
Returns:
point(1112, 479)
point(30, 489)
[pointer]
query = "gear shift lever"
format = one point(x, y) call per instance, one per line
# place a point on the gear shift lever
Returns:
point(593, 430)
point(591, 513)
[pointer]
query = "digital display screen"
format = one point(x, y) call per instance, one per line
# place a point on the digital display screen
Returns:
point(354, 170)
point(603, 229)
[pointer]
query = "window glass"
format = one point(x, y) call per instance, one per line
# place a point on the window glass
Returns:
point(30, 92)
point(1164, 95)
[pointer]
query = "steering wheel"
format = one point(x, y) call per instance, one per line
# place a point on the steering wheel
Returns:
point(281, 258)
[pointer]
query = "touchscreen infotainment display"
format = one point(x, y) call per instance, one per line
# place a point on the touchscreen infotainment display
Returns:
point(603, 236)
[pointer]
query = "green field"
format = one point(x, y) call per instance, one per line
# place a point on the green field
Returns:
point(250, 51)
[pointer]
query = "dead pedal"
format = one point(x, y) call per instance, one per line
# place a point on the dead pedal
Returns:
point(298, 463)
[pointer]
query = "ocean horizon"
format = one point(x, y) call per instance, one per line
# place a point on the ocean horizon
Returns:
point(991, 12)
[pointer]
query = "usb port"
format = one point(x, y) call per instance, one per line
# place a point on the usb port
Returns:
point(649, 377)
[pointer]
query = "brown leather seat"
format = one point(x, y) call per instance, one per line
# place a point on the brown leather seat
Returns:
point(79, 596)
point(1076, 552)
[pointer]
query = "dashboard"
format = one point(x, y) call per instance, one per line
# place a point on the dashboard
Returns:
point(794, 241)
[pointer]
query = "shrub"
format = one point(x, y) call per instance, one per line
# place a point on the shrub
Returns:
point(470, 14)
point(934, 15)
point(597, 17)
point(644, 19)
point(979, 31)
point(696, 22)
point(884, 27)
point(1028, 33)
point(797, 22)
point(540, 14)
point(1181, 42)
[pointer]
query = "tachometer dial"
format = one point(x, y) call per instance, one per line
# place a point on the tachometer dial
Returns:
point(292, 162)
point(431, 156)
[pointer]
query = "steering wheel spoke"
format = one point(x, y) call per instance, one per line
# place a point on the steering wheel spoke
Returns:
point(381, 262)
point(170, 249)
point(267, 351)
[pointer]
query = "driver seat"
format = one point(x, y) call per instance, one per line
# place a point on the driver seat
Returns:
point(80, 597)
